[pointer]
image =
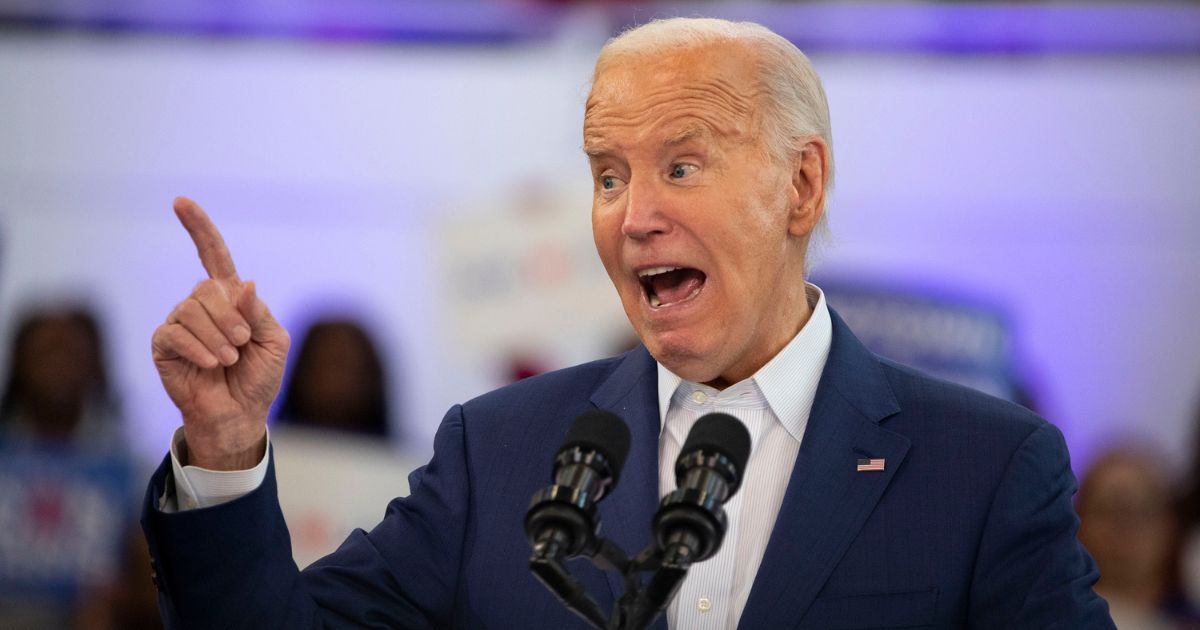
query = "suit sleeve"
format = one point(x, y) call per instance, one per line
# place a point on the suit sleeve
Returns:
point(230, 566)
point(1031, 571)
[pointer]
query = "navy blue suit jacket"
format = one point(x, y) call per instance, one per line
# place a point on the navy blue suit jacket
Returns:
point(970, 525)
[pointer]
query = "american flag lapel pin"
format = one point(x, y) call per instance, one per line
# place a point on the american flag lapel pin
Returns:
point(869, 465)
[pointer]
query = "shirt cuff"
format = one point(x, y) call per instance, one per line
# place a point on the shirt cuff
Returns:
point(196, 487)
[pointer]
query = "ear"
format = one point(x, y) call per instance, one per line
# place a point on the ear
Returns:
point(807, 195)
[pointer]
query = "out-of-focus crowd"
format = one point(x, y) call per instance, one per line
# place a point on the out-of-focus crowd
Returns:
point(1144, 532)
point(71, 554)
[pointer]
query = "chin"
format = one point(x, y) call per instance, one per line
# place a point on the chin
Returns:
point(681, 358)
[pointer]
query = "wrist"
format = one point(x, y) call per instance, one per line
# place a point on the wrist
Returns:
point(224, 452)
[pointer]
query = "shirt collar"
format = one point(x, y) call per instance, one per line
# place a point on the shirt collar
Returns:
point(789, 380)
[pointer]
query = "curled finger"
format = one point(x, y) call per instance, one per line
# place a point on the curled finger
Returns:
point(191, 315)
point(214, 296)
point(173, 341)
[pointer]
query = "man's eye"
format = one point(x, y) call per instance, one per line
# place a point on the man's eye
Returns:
point(609, 182)
point(679, 171)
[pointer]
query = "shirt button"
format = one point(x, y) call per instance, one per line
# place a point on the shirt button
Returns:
point(699, 397)
point(703, 605)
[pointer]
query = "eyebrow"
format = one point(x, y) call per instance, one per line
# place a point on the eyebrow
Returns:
point(595, 151)
point(686, 134)
point(598, 149)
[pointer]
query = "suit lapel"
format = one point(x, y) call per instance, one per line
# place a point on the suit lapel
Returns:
point(632, 393)
point(827, 499)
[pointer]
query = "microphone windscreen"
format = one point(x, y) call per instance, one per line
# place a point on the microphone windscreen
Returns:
point(602, 431)
point(720, 433)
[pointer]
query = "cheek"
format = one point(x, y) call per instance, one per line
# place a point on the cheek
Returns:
point(598, 228)
point(748, 236)
point(607, 235)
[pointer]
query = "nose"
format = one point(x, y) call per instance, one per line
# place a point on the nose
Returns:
point(645, 210)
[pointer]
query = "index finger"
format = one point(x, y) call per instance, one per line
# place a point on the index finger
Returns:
point(214, 255)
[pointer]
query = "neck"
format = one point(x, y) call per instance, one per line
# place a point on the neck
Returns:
point(789, 323)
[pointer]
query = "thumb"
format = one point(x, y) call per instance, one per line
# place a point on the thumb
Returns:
point(263, 327)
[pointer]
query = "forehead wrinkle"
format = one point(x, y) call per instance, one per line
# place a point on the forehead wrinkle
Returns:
point(680, 126)
point(704, 113)
point(720, 105)
point(659, 128)
point(718, 95)
point(630, 101)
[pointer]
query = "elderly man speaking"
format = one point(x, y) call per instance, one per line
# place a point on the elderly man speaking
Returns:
point(710, 148)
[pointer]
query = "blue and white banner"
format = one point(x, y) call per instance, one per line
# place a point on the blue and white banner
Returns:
point(63, 521)
point(954, 338)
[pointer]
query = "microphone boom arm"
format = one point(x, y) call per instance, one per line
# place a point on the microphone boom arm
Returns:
point(549, 570)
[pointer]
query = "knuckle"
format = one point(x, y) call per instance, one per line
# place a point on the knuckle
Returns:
point(190, 310)
point(174, 335)
point(159, 337)
point(217, 297)
point(210, 289)
point(202, 289)
point(176, 312)
point(166, 338)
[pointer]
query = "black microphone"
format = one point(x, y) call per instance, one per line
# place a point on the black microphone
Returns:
point(561, 522)
point(586, 468)
point(690, 523)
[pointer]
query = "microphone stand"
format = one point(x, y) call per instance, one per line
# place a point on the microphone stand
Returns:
point(641, 603)
point(689, 525)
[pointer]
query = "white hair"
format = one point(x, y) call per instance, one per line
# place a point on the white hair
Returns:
point(795, 103)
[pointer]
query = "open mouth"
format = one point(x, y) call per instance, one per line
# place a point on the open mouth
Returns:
point(667, 286)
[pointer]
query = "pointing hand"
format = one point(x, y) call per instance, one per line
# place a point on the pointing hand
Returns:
point(220, 355)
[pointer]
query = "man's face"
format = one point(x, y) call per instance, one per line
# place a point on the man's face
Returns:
point(695, 224)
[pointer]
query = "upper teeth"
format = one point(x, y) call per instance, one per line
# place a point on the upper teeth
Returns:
point(654, 271)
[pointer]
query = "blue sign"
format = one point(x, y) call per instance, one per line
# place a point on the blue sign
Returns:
point(63, 521)
point(954, 338)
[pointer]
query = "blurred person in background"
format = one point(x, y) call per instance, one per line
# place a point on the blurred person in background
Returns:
point(58, 392)
point(332, 430)
point(337, 382)
point(67, 490)
point(129, 602)
point(1189, 515)
point(1129, 525)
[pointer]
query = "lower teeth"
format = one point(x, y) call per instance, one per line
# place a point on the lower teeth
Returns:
point(656, 302)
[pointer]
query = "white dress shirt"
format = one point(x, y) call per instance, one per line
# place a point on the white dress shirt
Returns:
point(196, 487)
point(774, 405)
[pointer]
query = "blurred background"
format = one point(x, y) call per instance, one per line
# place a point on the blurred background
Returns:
point(1017, 207)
